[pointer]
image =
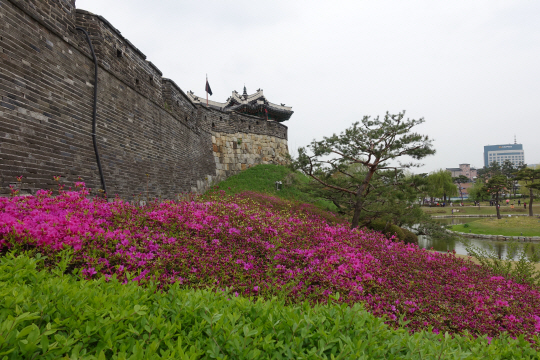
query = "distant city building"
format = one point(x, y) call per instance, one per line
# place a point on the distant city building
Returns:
point(500, 153)
point(463, 169)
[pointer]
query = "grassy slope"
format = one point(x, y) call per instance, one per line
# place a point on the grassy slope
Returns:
point(513, 226)
point(262, 179)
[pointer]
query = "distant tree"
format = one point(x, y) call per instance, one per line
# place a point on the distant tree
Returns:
point(486, 173)
point(495, 187)
point(478, 191)
point(531, 180)
point(440, 184)
point(461, 179)
point(372, 143)
point(509, 169)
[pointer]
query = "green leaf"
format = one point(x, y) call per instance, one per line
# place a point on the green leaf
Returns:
point(249, 333)
point(102, 355)
point(7, 352)
point(44, 343)
point(26, 331)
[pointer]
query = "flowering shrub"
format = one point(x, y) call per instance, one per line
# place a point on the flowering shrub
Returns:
point(54, 316)
point(277, 204)
point(261, 249)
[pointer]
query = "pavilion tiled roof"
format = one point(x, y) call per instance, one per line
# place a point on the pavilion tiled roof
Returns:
point(254, 104)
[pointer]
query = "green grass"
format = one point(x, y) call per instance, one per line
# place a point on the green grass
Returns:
point(262, 179)
point(513, 226)
point(484, 209)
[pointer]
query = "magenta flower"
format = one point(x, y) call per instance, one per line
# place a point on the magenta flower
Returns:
point(89, 272)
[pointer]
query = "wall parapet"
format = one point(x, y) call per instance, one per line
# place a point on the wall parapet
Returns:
point(57, 16)
point(120, 57)
point(216, 120)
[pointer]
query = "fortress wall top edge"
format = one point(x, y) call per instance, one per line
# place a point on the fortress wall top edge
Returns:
point(120, 57)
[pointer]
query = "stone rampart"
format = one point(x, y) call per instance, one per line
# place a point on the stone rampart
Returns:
point(152, 139)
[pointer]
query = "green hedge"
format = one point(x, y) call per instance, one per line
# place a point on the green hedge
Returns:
point(51, 315)
point(389, 230)
point(410, 237)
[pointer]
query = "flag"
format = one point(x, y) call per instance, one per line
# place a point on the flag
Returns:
point(208, 90)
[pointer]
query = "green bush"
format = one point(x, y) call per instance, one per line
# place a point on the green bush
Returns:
point(388, 230)
point(410, 237)
point(51, 316)
point(402, 234)
point(394, 229)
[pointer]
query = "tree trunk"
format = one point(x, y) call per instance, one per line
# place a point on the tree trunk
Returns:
point(497, 206)
point(360, 199)
point(531, 197)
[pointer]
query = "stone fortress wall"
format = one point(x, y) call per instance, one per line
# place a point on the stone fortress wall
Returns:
point(151, 137)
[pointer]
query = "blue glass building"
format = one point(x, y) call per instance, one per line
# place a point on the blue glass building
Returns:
point(500, 153)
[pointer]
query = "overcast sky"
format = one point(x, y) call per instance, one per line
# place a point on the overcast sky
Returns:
point(471, 69)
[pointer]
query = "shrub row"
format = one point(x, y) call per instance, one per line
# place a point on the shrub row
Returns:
point(48, 316)
point(270, 249)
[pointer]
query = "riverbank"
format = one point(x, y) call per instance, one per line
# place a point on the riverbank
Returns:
point(474, 260)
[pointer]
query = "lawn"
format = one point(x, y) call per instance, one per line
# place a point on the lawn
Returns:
point(484, 209)
point(507, 226)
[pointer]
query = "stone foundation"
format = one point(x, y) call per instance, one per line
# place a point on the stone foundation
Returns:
point(239, 151)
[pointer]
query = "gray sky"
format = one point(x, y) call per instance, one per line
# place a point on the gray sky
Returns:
point(470, 68)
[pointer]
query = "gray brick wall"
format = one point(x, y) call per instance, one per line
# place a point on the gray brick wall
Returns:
point(146, 124)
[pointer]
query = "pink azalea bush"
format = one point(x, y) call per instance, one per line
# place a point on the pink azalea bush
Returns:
point(262, 248)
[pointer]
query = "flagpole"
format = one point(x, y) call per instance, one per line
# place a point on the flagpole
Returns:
point(207, 91)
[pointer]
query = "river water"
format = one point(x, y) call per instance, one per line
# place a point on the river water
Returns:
point(499, 247)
